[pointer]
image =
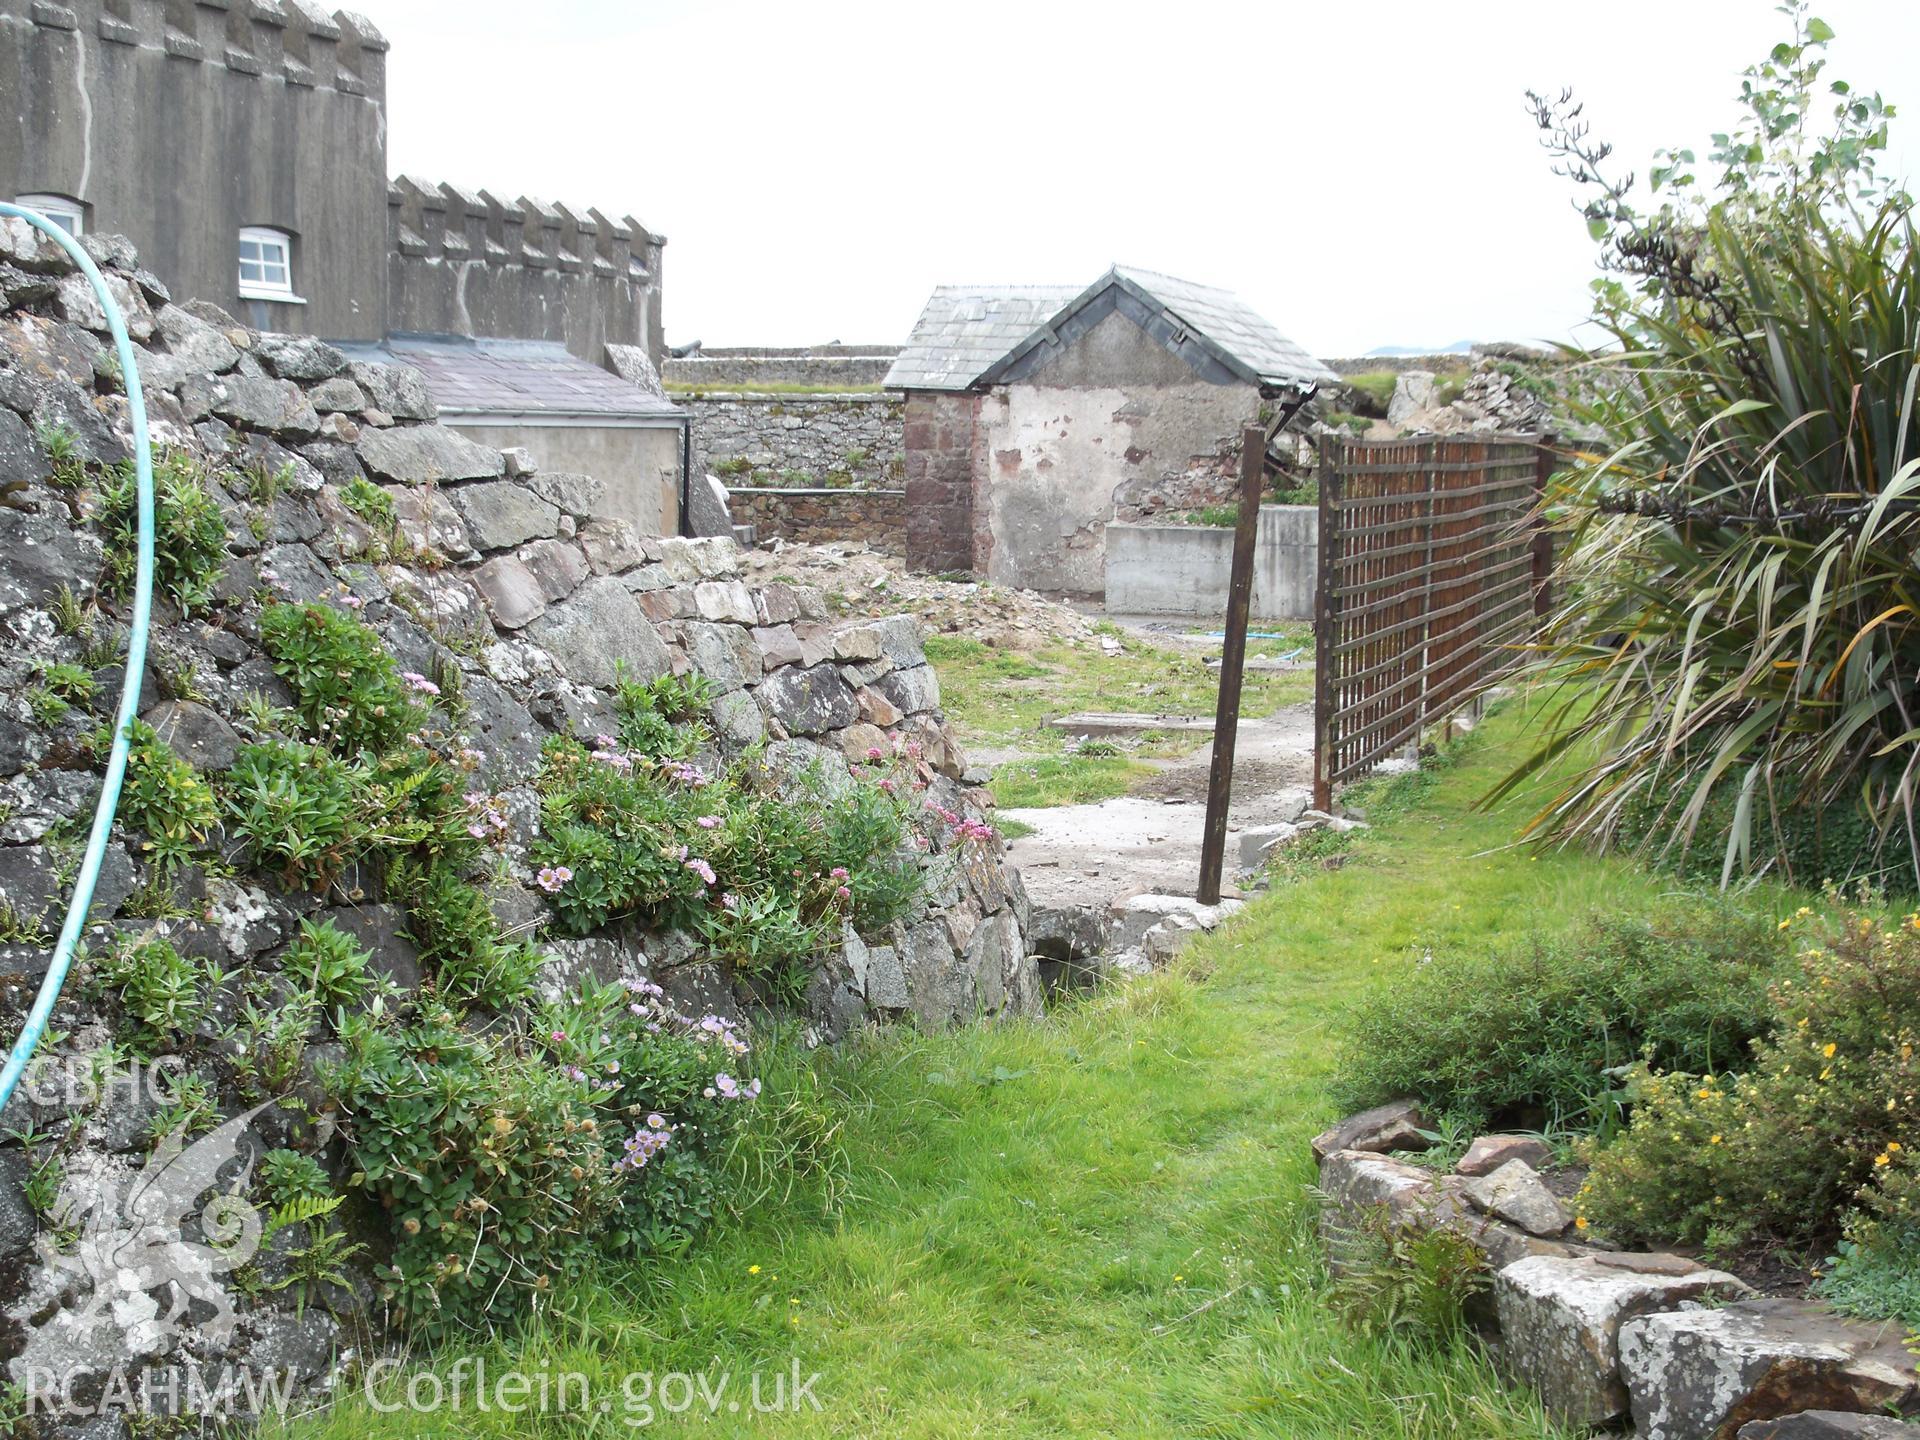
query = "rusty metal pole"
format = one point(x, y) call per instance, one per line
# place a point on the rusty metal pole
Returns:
point(1233, 664)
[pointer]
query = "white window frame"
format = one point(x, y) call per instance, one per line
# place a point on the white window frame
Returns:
point(69, 214)
point(263, 285)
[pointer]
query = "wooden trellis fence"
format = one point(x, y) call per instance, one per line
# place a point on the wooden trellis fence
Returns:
point(1432, 569)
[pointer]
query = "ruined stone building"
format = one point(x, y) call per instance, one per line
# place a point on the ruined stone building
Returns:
point(241, 145)
point(1036, 415)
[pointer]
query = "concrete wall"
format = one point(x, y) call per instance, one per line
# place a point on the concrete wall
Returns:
point(1108, 416)
point(877, 518)
point(1187, 569)
point(640, 465)
point(176, 125)
point(940, 435)
point(472, 263)
point(798, 441)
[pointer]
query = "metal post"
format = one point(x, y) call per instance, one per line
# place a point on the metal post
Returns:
point(1325, 632)
point(1233, 663)
point(1544, 458)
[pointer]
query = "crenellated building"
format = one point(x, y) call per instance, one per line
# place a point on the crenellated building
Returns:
point(241, 144)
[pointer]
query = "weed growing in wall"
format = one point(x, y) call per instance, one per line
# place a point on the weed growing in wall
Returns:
point(512, 1161)
point(190, 533)
point(765, 868)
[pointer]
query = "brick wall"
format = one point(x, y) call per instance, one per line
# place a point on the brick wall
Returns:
point(874, 517)
point(940, 441)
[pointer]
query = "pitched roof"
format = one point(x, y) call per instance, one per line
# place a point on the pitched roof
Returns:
point(534, 378)
point(964, 337)
point(966, 328)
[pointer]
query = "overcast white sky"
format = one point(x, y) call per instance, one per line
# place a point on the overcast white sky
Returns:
point(1362, 173)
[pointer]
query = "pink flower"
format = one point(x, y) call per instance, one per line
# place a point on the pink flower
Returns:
point(708, 822)
point(839, 872)
point(419, 683)
point(702, 869)
point(844, 893)
point(552, 878)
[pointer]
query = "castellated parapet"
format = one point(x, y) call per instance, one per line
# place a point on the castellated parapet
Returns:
point(470, 262)
point(288, 40)
point(180, 122)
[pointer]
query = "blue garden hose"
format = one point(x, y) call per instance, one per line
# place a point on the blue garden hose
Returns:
point(103, 812)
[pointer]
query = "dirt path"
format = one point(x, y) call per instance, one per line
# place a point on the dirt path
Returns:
point(1150, 841)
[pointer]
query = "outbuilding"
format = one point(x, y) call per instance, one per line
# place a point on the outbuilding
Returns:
point(1036, 415)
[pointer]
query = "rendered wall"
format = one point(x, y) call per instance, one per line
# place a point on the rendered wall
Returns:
point(1109, 415)
point(179, 124)
point(639, 466)
point(1186, 569)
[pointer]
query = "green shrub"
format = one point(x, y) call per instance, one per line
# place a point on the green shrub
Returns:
point(347, 690)
point(370, 503)
point(1734, 626)
point(1528, 1035)
point(287, 1176)
point(458, 937)
point(662, 718)
point(165, 799)
point(190, 534)
point(509, 1162)
point(1785, 1148)
point(329, 962)
point(766, 870)
point(163, 995)
point(294, 806)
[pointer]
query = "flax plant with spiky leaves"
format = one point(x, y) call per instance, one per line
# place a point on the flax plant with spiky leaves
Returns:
point(1737, 646)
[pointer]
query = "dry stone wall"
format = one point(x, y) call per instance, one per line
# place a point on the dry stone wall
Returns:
point(875, 518)
point(517, 591)
point(798, 440)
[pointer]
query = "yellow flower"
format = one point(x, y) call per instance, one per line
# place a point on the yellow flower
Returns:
point(1713, 1140)
point(1893, 1147)
point(1828, 1049)
point(753, 1269)
point(1880, 1160)
point(1178, 1278)
point(1580, 1222)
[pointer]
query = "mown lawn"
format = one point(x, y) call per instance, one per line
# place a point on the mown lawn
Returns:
point(1093, 1225)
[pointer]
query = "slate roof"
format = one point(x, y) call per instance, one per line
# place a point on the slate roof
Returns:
point(534, 378)
point(967, 333)
point(966, 328)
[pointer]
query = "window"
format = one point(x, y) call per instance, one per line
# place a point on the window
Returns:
point(266, 264)
point(69, 215)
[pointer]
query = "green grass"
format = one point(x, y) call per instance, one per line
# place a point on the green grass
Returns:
point(1068, 780)
point(1095, 1224)
point(1376, 385)
point(1002, 698)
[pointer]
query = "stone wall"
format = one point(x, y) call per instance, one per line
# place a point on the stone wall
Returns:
point(797, 440)
point(940, 436)
point(527, 603)
point(876, 518)
point(1605, 1336)
point(743, 368)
